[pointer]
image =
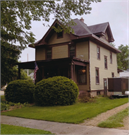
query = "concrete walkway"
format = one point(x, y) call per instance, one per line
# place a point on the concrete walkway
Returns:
point(61, 128)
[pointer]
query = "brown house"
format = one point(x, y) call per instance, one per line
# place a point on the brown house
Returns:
point(87, 57)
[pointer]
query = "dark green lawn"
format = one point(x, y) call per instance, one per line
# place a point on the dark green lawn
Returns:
point(76, 113)
point(10, 129)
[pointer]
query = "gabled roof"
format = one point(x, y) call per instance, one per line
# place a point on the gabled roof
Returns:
point(98, 28)
point(80, 29)
point(81, 32)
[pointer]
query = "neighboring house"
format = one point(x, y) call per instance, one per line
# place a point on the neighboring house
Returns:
point(87, 57)
point(125, 74)
point(31, 76)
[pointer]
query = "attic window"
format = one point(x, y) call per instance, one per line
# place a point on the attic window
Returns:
point(60, 34)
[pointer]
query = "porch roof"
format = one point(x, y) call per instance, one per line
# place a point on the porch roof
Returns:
point(31, 64)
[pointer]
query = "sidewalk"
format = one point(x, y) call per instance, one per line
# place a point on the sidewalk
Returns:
point(61, 128)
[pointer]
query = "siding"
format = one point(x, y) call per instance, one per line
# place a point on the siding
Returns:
point(60, 52)
point(54, 40)
point(103, 73)
point(82, 50)
point(40, 53)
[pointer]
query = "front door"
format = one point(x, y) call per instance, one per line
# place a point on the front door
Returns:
point(105, 86)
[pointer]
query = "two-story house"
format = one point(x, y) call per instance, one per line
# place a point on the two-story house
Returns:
point(87, 57)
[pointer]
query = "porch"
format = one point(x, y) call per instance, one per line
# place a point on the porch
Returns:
point(73, 68)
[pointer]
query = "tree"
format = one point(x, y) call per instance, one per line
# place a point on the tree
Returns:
point(9, 57)
point(16, 18)
point(122, 57)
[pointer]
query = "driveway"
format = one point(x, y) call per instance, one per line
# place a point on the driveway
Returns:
point(61, 128)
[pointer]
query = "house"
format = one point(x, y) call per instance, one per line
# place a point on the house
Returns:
point(87, 57)
point(124, 74)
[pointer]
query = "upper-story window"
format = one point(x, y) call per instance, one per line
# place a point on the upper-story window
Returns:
point(97, 75)
point(72, 51)
point(49, 53)
point(60, 34)
point(105, 62)
point(111, 57)
point(98, 52)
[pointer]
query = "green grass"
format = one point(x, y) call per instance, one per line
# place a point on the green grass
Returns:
point(10, 129)
point(76, 113)
point(115, 120)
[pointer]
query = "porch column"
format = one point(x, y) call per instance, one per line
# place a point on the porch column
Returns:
point(19, 72)
point(72, 70)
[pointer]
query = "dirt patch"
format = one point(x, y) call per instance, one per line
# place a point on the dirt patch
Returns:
point(103, 116)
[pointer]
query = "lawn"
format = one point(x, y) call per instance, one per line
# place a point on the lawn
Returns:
point(10, 129)
point(76, 113)
point(115, 120)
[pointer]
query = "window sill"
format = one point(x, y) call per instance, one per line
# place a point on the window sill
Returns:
point(97, 83)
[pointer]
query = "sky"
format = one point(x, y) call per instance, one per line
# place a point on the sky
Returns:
point(116, 12)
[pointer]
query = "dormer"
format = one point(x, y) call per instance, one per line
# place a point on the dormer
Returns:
point(102, 31)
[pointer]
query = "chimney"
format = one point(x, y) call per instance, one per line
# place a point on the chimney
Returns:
point(82, 19)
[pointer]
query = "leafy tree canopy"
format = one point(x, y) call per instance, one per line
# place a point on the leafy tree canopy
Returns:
point(16, 16)
point(122, 57)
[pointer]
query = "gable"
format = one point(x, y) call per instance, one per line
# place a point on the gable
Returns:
point(102, 30)
point(55, 40)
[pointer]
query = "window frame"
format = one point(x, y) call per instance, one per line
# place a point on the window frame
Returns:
point(50, 48)
point(105, 65)
point(113, 75)
point(97, 69)
point(59, 34)
point(79, 73)
point(98, 53)
point(110, 57)
point(74, 51)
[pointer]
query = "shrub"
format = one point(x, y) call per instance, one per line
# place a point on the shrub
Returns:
point(20, 91)
point(4, 106)
point(57, 90)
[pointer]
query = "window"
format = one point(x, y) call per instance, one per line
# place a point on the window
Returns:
point(60, 34)
point(111, 57)
point(72, 51)
point(112, 75)
point(49, 53)
point(82, 75)
point(98, 52)
point(105, 62)
point(97, 75)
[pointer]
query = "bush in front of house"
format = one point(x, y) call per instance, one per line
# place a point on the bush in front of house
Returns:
point(57, 90)
point(20, 91)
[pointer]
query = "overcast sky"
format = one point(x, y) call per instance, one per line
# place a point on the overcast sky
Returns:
point(116, 12)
